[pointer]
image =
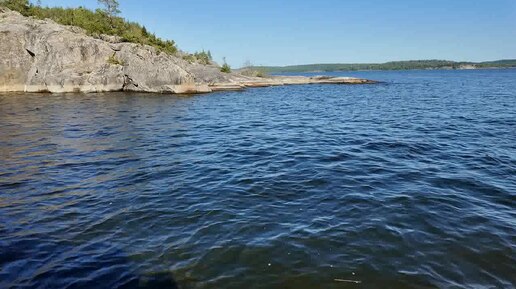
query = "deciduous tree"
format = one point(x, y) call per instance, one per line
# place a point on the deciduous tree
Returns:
point(111, 7)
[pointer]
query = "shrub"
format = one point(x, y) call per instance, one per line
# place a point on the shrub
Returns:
point(203, 57)
point(190, 58)
point(94, 22)
point(261, 73)
point(21, 6)
point(225, 67)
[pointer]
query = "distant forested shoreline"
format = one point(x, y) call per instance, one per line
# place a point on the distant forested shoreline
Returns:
point(393, 65)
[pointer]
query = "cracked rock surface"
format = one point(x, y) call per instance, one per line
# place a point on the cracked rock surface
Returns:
point(43, 56)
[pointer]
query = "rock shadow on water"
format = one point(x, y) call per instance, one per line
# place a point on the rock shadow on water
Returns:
point(43, 262)
point(155, 280)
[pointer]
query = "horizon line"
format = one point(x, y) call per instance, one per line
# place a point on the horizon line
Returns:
point(384, 62)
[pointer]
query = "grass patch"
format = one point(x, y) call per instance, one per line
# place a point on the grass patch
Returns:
point(114, 60)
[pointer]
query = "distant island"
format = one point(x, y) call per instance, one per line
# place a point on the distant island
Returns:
point(393, 65)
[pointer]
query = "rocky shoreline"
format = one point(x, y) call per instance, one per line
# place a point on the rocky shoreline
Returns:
point(43, 56)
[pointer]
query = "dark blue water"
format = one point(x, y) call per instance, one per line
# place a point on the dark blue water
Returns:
point(406, 184)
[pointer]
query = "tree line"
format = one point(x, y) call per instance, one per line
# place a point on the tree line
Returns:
point(101, 21)
point(394, 65)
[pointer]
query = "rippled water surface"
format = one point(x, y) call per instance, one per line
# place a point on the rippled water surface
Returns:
point(406, 184)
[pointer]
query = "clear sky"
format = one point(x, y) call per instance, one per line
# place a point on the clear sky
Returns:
point(276, 32)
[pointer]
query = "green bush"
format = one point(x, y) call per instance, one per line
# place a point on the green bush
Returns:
point(21, 6)
point(203, 57)
point(94, 22)
point(190, 58)
point(225, 67)
point(261, 73)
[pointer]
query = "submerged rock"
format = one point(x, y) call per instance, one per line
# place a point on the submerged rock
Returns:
point(43, 56)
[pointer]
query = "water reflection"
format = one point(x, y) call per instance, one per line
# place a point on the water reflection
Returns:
point(72, 265)
point(407, 184)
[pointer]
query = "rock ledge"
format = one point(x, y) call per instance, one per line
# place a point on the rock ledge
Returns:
point(43, 56)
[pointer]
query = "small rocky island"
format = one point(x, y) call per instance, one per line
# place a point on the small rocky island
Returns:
point(44, 56)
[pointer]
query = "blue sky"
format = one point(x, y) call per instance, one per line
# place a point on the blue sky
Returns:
point(276, 32)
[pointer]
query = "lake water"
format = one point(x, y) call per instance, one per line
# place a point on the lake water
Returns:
point(406, 184)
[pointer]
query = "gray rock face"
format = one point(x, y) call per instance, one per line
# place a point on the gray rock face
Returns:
point(41, 55)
